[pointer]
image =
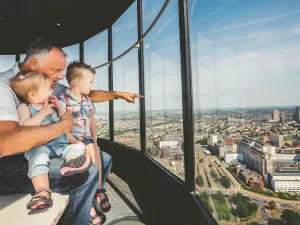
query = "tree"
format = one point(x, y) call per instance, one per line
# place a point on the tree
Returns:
point(290, 217)
point(199, 181)
point(220, 197)
point(202, 141)
point(225, 181)
point(272, 205)
point(214, 173)
point(201, 160)
point(242, 210)
point(205, 199)
point(252, 207)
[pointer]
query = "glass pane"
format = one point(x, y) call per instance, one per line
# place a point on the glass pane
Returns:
point(22, 57)
point(164, 128)
point(151, 9)
point(126, 115)
point(95, 53)
point(7, 62)
point(245, 85)
point(102, 117)
point(96, 49)
point(124, 31)
point(73, 54)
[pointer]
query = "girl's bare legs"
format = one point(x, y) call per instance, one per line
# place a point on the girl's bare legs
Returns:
point(41, 181)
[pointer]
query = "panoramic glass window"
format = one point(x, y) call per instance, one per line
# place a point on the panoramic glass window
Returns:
point(126, 115)
point(73, 54)
point(95, 54)
point(124, 31)
point(246, 111)
point(151, 9)
point(7, 62)
point(164, 129)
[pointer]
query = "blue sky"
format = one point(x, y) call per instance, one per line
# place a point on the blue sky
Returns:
point(245, 53)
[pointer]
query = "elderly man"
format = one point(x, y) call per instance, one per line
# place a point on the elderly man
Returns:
point(51, 60)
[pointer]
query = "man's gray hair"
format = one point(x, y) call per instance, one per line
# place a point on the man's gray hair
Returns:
point(40, 46)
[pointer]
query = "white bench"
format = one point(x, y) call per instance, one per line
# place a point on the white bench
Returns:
point(13, 210)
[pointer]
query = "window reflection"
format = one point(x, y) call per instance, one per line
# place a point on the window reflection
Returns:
point(124, 31)
point(164, 134)
point(96, 49)
point(7, 62)
point(245, 64)
point(151, 9)
point(126, 116)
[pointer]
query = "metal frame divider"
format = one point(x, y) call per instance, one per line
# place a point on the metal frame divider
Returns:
point(141, 76)
point(110, 84)
point(187, 95)
point(81, 51)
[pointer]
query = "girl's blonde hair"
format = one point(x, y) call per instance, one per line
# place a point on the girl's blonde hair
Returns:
point(27, 81)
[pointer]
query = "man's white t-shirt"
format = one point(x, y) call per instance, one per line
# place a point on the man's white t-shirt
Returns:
point(9, 101)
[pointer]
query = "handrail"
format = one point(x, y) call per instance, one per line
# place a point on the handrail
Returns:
point(142, 38)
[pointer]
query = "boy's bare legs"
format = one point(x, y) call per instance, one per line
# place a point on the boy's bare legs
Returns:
point(94, 151)
point(41, 181)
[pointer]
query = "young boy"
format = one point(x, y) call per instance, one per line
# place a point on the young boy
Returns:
point(80, 78)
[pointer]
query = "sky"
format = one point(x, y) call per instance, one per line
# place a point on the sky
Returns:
point(245, 53)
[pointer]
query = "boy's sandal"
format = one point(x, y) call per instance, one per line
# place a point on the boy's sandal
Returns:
point(99, 206)
point(96, 216)
point(40, 200)
point(78, 165)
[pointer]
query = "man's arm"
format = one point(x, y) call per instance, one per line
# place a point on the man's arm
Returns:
point(102, 96)
point(15, 139)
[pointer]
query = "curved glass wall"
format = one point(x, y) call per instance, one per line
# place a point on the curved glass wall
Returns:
point(164, 129)
point(96, 53)
point(7, 62)
point(245, 85)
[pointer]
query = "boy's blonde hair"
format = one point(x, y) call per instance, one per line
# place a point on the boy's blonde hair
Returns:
point(27, 81)
point(75, 69)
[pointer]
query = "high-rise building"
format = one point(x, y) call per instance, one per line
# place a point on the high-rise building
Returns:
point(213, 139)
point(276, 115)
point(297, 114)
point(257, 156)
point(282, 120)
point(276, 140)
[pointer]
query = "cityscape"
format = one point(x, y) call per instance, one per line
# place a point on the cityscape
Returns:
point(247, 155)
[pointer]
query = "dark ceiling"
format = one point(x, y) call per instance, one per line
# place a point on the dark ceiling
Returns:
point(21, 21)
